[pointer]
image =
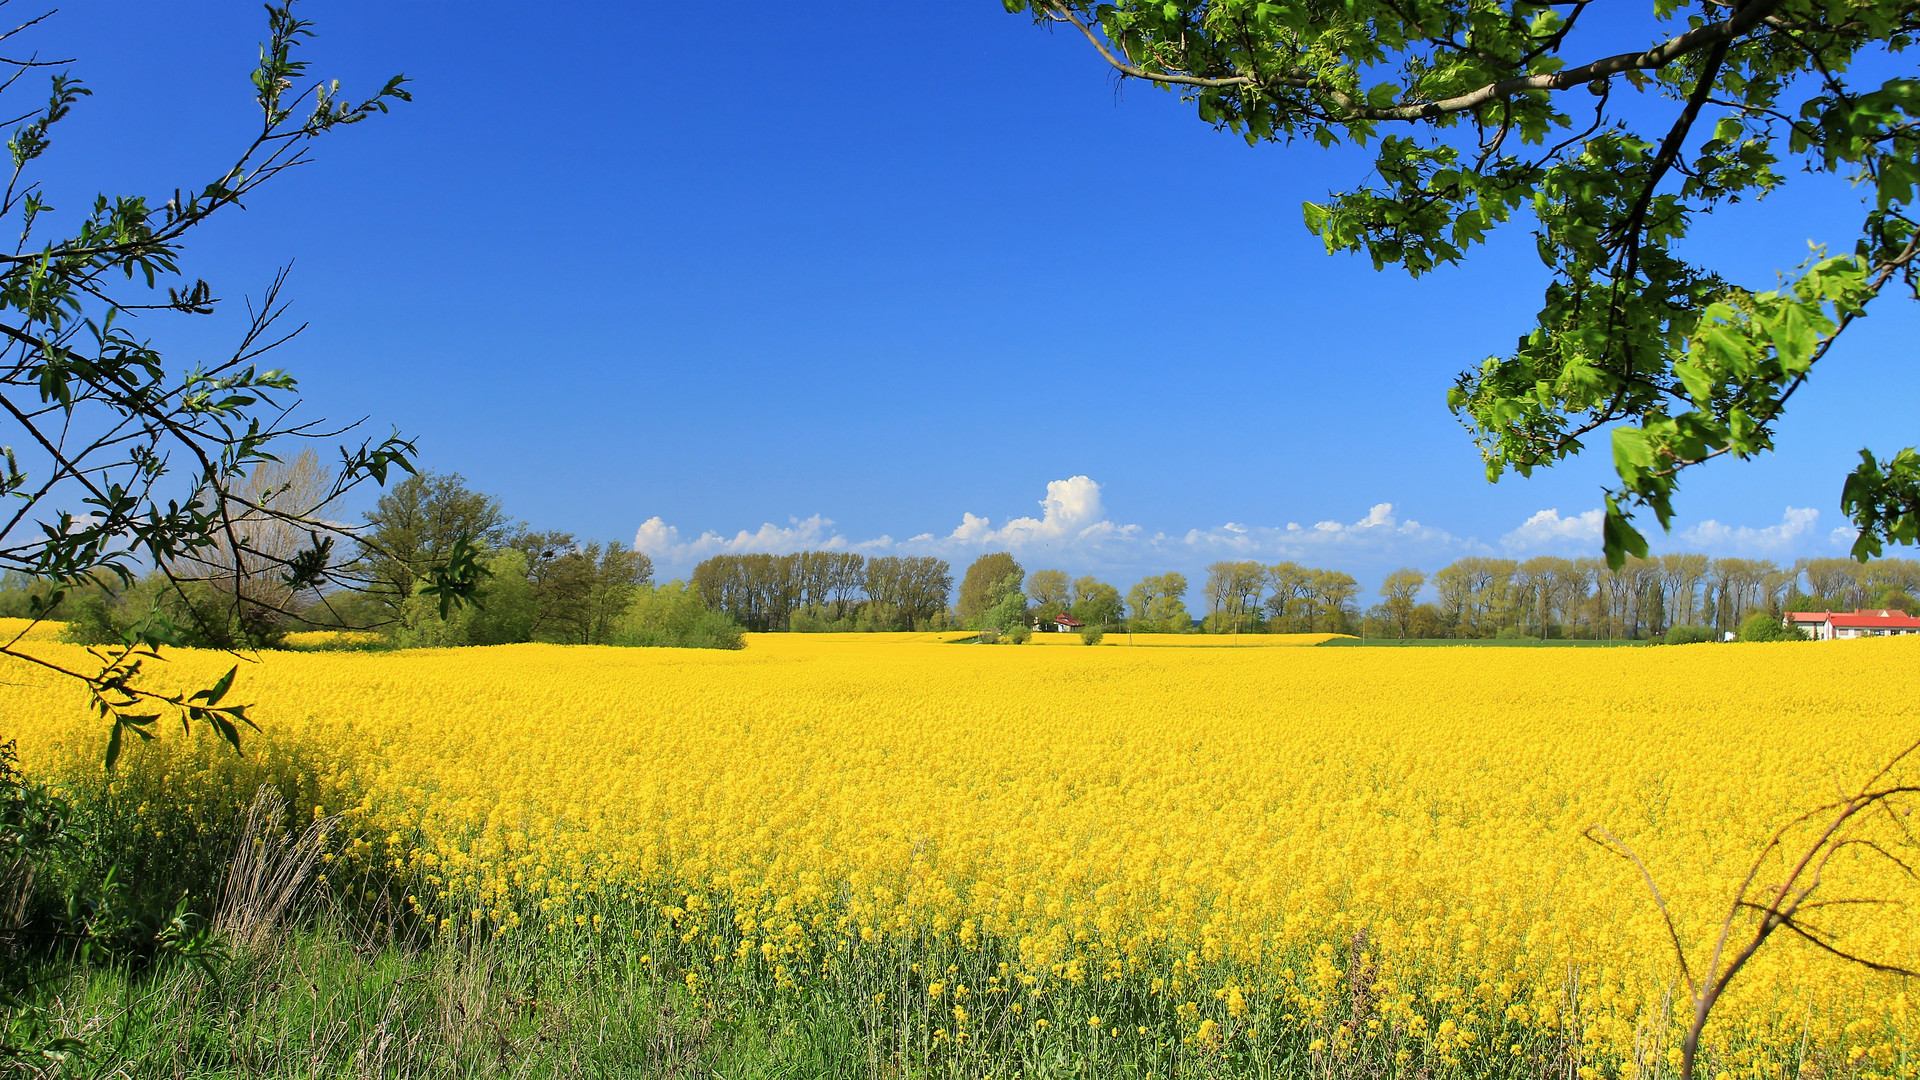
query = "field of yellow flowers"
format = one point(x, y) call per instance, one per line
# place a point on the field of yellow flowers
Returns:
point(1168, 854)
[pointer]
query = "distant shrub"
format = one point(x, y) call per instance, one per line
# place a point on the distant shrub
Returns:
point(989, 636)
point(1018, 635)
point(91, 621)
point(817, 620)
point(674, 616)
point(1761, 626)
point(1689, 635)
point(1091, 635)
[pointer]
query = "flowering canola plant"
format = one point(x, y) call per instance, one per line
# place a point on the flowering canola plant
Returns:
point(1205, 851)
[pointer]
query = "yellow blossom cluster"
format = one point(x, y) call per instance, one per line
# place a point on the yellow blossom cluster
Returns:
point(1334, 844)
point(329, 639)
point(27, 630)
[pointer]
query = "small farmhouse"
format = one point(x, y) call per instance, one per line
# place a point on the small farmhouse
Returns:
point(1062, 623)
point(1834, 625)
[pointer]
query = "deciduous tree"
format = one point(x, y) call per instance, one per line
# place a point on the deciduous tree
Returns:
point(1400, 593)
point(1159, 603)
point(1050, 591)
point(980, 588)
point(1333, 593)
point(1233, 594)
point(1289, 588)
point(916, 586)
point(1096, 603)
point(415, 526)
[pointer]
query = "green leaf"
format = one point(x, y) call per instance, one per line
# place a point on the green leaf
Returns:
point(1631, 450)
point(1794, 340)
point(1619, 538)
point(219, 689)
point(1699, 385)
point(226, 729)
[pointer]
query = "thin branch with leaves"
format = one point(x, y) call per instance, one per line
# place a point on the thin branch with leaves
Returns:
point(118, 462)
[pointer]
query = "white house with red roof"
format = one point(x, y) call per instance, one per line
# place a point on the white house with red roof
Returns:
point(1834, 625)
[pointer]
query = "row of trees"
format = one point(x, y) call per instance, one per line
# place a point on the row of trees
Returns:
point(1558, 597)
point(550, 586)
point(827, 591)
point(537, 585)
point(1285, 598)
point(1479, 597)
point(1472, 597)
point(846, 591)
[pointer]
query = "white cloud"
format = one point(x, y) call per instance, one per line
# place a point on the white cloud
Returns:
point(1073, 526)
point(1380, 533)
point(1379, 517)
point(1548, 529)
point(662, 542)
point(1070, 512)
point(1795, 523)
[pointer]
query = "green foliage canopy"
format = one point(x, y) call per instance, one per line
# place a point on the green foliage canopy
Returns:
point(416, 525)
point(981, 587)
point(674, 615)
point(1008, 611)
point(1096, 603)
point(1159, 602)
point(1478, 109)
point(1761, 626)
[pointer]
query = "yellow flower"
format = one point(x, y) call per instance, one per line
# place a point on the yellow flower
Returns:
point(1389, 839)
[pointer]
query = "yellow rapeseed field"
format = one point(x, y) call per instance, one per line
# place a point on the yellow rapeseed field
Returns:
point(29, 630)
point(329, 639)
point(1232, 844)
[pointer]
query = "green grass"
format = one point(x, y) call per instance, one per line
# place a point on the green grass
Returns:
point(329, 1002)
point(338, 996)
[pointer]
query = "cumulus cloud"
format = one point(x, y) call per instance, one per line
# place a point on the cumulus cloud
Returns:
point(1795, 523)
point(1548, 529)
point(662, 542)
point(1071, 512)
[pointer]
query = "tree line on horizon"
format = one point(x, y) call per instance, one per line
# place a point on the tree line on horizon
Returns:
point(547, 585)
point(1472, 597)
point(827, 591)
point(1550, 596)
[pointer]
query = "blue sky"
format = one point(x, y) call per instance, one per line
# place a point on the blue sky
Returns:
point(832, 275)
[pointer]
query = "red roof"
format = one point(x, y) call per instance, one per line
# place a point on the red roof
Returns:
point(1064, 619)
point(1885, 619)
